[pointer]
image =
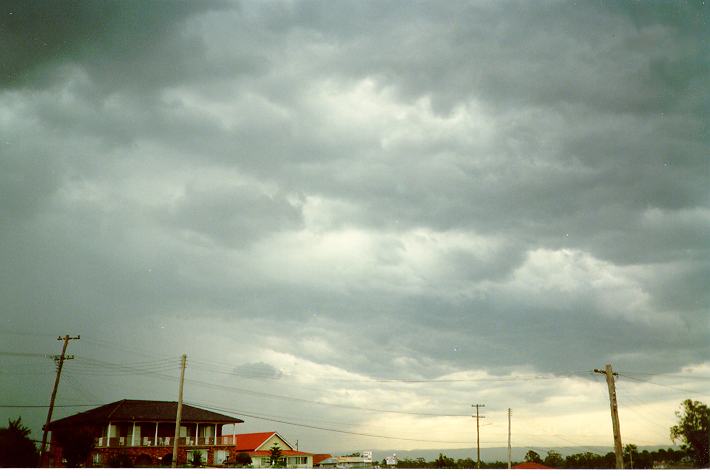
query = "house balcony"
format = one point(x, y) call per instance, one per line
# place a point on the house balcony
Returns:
point(167, 441)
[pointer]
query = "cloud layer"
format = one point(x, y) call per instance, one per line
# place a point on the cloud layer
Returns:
point(392, 190)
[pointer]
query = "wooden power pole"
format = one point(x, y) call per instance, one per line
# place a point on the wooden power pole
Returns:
point(618, 451)
point(510, 461)
point(478, 435)
point(178, 416)
point(59, 359)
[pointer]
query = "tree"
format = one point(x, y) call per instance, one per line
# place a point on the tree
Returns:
point(589, 460)
point(444, 462)
point(554, 459)
point(17, 450)
point(196, 459)
point(631, 454)
point(275, 457)
point(242, 459)
point(466, 463)
point(692, 430)
point(533, 457)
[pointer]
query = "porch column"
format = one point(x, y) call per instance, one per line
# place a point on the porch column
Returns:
point(234, 435)
point(133, 434)
point(108, 435)
point(197, 433)
point(215, 433)
point(155, 443)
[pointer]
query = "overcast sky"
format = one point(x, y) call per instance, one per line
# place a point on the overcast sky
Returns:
point(309, 197)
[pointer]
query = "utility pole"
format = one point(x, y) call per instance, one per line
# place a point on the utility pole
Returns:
point(478, 435)
point(618, 451)
point(510, 461)
point(59, 359)
point(178, 416)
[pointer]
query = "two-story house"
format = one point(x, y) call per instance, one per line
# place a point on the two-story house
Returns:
point(144, 432)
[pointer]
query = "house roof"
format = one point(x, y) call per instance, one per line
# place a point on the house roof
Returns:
point(142, 410)
point(251, 441)
point(247, 442)
point(530, 465)
point(317, 458)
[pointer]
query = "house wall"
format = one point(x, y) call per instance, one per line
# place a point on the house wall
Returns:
point(265, 462)
point(270, 442)
point(308, 462)
point(102, 456)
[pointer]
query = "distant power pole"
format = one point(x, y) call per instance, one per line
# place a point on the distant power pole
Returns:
point(59, 359)
point(618, 451)
point(510, 461)
point(478, 435)
point(178, 416)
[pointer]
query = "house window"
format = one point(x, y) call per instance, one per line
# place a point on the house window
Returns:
point(298, 460)
point(220, 456)
point(96, 459)
point(265, 462)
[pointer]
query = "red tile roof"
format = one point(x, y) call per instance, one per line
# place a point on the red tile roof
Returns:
point(317, 458)
point(530, 465)
point(251, 441)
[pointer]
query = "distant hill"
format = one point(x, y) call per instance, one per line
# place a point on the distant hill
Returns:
point(501, 453)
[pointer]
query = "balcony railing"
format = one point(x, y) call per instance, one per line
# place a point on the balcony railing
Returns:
point(128, 441)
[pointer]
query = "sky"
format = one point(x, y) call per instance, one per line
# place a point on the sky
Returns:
point(362, 216)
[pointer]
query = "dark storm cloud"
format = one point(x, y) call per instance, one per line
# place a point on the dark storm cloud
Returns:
point(407, 189)
point(116, 40)
point(234, 216)
point(258, 370)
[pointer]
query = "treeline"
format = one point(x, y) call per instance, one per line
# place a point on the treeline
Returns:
point(444, 462)
point(632, 459)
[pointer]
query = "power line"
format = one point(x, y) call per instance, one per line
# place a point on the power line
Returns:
point(370, 435)
point(102, 343)
point(55, 406)
point(290, 398)
point(228, 369)
point(29, 334)
point(671, 376)
point(27, 354)
point(682, 390)
point(315, 402)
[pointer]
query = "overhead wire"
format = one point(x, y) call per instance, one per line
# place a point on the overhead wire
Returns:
point(677, 389)
point(669, 375)
point(67, 405)
point(103, 343)
point(237, 412)
point(230, 369)
point(89, 366)
point(27, 354)
point(127, 369)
